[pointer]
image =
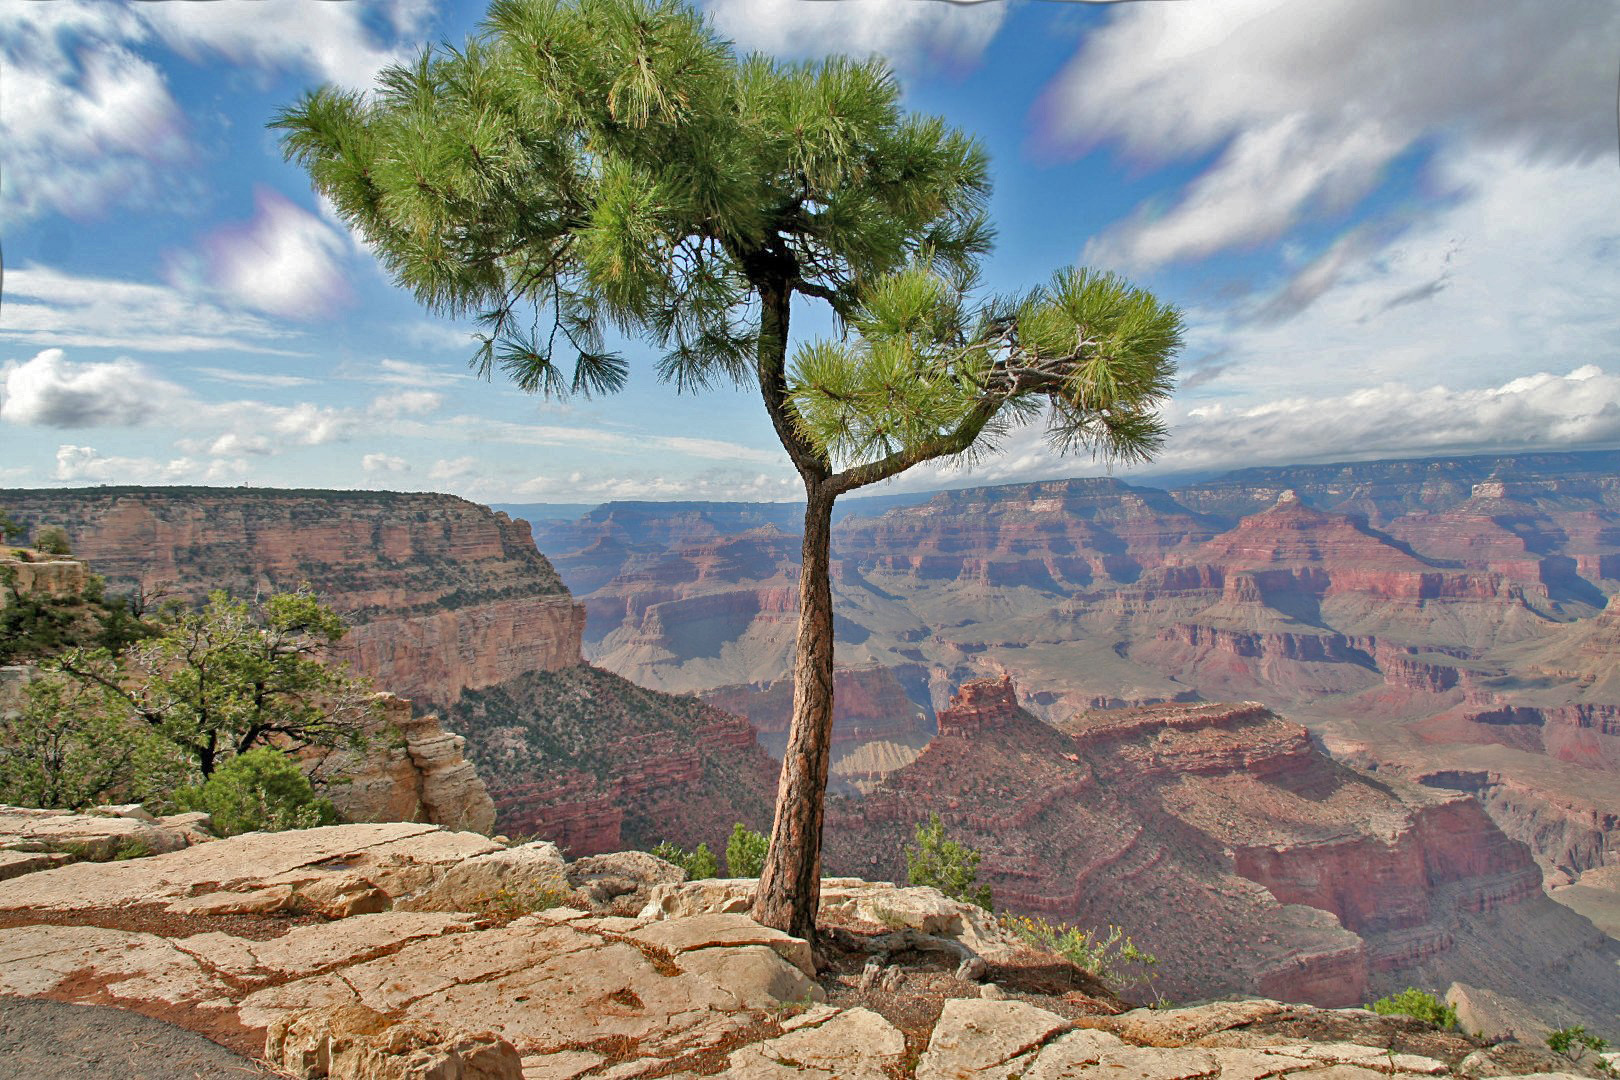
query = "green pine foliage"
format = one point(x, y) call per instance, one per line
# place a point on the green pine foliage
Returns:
point(260, 790)
point(698, 863)
point(1419, 1004)
point(948, 866)
point(745, 852)
point(581, 170)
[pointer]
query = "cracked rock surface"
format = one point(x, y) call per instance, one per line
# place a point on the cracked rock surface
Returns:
point(443, 972)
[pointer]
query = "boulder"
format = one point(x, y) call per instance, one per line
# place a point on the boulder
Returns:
point(526, 869)
point(974, 1037)
point(95, 836)
point(680, 936)
point(852, 1044)
point(603, 879)
point(353, 1042)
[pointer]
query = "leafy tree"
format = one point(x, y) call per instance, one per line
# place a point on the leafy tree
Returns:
point(587, 167)
point(10, 528)
point(1418, 1004)
point(52, 540)
point(1574, 1042)
point(221, 681)
point(746, 851)
point(35, 625)
point(71, 745)
point(260, 789)
point(948, 866)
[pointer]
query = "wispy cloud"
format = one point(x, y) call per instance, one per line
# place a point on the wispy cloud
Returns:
point(284, 262)
point(912, 34)
point(260, 379)
point(1305, 103)
point(48, 307)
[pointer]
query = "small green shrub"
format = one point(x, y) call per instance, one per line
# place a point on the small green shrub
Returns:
point(700, 863)
point(526, 897)
point(948, 866)
point(52, 540)
point(1418, 1004)
point(1112, 957)
point(746, 851)
point(1574, 1042)
point(262, 789)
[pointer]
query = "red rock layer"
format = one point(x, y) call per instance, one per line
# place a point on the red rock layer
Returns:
point(1217, 834)
point(443, 595)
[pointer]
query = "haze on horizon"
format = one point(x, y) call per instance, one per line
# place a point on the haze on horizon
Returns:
point(1393, 229)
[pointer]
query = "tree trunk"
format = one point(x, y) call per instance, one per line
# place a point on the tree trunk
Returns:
point(790, 886)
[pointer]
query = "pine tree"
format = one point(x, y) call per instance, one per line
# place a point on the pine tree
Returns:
point(582, 168)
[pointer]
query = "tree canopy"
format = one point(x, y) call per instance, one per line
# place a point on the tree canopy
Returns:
point(584, 172)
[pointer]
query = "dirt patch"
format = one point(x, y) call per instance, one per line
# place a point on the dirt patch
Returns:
point(159, 920)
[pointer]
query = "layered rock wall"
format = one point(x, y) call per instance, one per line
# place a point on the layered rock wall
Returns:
point(442, 594)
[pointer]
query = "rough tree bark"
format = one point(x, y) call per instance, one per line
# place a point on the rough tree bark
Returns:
point(790, 885)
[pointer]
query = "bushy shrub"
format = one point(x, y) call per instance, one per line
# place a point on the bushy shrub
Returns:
point(700, 863)
point(1418, 1004)
point(948, 866)
point(262, 789)
point(52, 540)
point(746, 851)
point(1113, 957)
point(1574, 1042)
point(70, 745)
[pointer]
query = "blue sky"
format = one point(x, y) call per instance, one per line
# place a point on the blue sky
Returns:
point(1394, 229)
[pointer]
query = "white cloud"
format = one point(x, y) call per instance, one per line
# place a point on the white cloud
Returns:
point(327, 40)
point(87, 117)
point(384, 465)
point(911, 33)
point(286, 261)
point(720, 484)
point(406, 403)
point(310, 425)
point(406, 373)
point(253, 378)
point(50, 391)
point(1306, 102)
point(87, 464)
point(85, 121)
point(47, 307)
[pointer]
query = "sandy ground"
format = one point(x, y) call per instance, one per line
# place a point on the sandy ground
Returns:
point(47, 1040)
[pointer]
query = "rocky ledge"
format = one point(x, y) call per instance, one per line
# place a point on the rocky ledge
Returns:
point(407, 951)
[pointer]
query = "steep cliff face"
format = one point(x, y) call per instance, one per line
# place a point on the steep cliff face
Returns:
point(1220, 835)
point(412, 770)
point(442, 594)
point(1442, 614)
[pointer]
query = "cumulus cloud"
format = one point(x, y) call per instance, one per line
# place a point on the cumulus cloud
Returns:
point(47, 307)
point(330, 41)
point(1580, 409)
point(406, 403)
point(1305, 103)
point(50, 391)
point(87, 118)
point(913, 34)
point(384, 465)
point(87, 464)
point(285, 261)
point(86, 121)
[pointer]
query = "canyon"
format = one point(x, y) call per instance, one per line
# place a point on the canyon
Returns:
point(1108, 779)
point(1446, 620)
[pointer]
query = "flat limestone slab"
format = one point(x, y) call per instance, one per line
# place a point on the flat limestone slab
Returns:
point(397, 851)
